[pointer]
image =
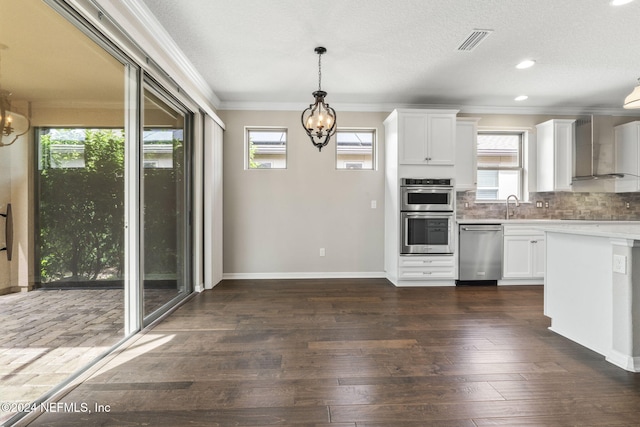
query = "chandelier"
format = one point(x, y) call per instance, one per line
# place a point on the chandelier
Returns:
point(319, 120)
point(12, 124)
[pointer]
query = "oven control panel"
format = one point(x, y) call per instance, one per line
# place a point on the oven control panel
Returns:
point(426, 181)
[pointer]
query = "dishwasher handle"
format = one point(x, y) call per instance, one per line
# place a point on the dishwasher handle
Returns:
point(481, 228)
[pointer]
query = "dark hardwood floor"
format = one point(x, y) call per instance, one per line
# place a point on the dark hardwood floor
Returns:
point(348, 353)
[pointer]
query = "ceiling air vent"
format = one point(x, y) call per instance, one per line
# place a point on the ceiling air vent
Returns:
point(474, 39)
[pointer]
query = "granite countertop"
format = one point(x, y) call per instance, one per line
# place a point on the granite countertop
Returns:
point(615, 229)
point(537, 221)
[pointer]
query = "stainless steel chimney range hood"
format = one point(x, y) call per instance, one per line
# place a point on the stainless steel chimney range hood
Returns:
point(585, 154)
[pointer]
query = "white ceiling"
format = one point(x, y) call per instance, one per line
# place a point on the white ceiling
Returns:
point(404, 52)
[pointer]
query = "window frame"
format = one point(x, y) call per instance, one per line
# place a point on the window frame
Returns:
point(247, 147)
point(374, 148)
point(521, 168)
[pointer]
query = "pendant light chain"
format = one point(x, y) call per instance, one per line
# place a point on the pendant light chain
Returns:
point(320, 72)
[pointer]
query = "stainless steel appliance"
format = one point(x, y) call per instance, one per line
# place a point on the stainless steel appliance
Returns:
point(427, 217)
point(427, 233)
point(480, 254)
point(426, 194)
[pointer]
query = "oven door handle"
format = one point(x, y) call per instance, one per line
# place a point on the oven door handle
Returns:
point(428, 215)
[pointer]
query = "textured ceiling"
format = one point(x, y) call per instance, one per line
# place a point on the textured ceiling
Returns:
point(404, 52)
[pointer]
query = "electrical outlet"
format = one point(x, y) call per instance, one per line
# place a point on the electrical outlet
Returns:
point(546, 205)
point(620, 264)
point(374, 204)
point(628, 205)
point(322, 252)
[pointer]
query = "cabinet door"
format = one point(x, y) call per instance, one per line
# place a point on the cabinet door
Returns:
point(466, 155)
point(627, 156)
point(563, 166)
point(517, 257)
point(538, 261)
point(555, 142)
point(441, 139)
point(412, 136)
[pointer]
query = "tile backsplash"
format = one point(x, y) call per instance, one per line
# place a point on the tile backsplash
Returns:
point(562, 205)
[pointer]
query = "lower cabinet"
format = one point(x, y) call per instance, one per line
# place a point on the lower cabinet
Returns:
point(523, 256)
point(426, 267)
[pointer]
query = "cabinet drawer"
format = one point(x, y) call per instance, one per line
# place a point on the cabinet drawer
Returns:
point(426, 273)
point(419, 261)
point(516, 230)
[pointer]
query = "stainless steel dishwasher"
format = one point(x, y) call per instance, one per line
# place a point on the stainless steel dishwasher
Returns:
point(480, 254)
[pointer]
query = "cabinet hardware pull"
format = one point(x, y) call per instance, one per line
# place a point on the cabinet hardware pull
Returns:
point(8, 232)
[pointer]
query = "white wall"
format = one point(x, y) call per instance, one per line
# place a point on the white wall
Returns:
point(15, 188)
point(276, 221)
point(5, 197)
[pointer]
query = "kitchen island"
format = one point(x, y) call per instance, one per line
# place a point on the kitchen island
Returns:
point(592, 287)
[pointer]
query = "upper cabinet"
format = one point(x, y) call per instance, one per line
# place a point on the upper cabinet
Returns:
point(627, 156)
point(555, 148)
point(466, 153)
point(426, 137)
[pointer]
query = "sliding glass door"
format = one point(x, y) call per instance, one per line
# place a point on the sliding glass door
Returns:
point(166, 202)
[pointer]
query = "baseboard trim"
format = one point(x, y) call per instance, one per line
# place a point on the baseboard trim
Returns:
point(624, 361)
point(305, 275)
point(518, 282)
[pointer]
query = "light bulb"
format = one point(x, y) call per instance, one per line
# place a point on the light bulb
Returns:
point(527, 63)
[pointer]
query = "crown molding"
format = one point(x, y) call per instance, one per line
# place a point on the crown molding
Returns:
point(166, 48)
point(464, 109)
point(148, 42)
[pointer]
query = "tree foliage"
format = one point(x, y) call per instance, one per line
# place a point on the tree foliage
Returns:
point(81, 209)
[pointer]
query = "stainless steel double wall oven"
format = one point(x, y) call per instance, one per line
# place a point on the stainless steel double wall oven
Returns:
point(427, 216)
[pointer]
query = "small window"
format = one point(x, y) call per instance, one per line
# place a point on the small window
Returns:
point(354, 148)
point(158, 147)
point(266, 148)
point(354, 165)
point(500, 165)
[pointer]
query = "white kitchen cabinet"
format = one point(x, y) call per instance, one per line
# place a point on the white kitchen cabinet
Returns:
point(627, 156)
point(426, 267)
point(411, 135)
point(523, 256)
point(466, 154)
point(555, 154)
point(426, 137)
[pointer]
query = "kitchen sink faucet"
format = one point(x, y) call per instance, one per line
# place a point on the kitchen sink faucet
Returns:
point(506, 216)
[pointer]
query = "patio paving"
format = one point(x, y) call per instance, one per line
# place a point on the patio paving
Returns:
point(48, 335)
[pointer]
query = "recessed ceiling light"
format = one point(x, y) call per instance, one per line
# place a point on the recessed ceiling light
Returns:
point(521, 98)
point(525, 64)
point(620, 2)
